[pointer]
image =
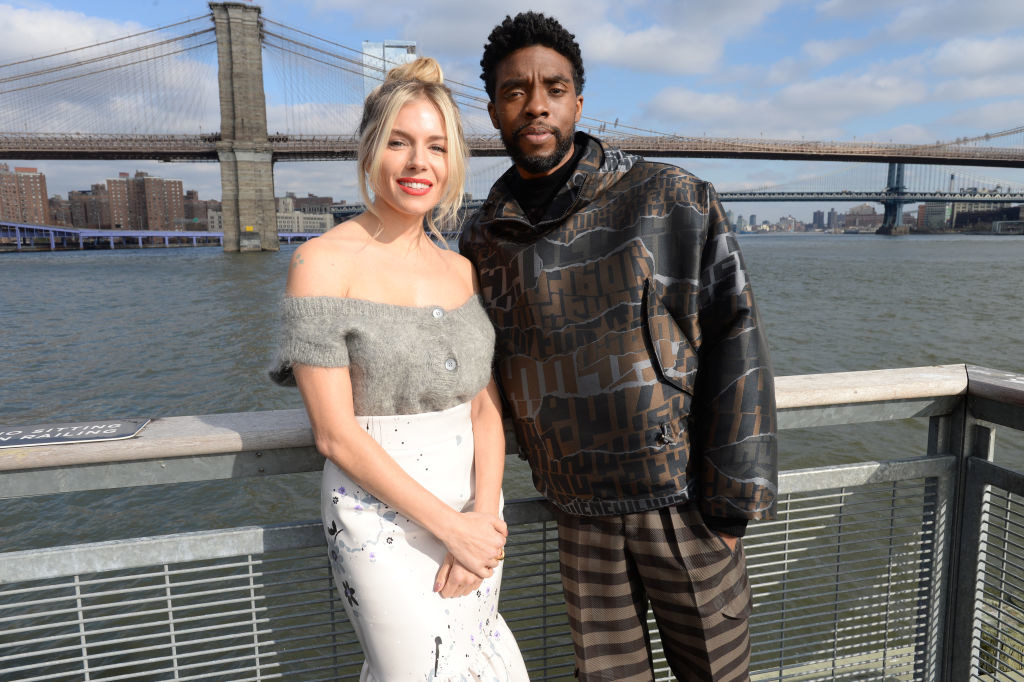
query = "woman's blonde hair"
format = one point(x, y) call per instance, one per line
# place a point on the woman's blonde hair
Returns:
point(419, 79)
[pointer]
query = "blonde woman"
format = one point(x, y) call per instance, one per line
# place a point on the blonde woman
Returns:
point(384, 334)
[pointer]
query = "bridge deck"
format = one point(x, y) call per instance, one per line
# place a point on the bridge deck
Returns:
point(343, 147)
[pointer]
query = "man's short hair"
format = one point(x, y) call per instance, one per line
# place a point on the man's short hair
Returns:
point(529, 28)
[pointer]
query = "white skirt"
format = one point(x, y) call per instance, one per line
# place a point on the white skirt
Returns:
point(384, 564)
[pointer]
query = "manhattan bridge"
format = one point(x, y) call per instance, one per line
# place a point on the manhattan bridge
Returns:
point(243, 90)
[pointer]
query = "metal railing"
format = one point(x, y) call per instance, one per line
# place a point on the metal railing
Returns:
point(899, 570)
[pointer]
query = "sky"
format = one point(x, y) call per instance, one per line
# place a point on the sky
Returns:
point(909, 71)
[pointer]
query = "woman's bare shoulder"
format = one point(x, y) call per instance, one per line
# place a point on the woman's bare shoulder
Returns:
point(324, 266)
point(462, 267)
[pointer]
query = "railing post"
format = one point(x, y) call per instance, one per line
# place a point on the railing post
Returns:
point(958, 644)
point(945, 438)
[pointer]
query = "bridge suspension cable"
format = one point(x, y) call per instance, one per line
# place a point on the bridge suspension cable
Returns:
point(158, 81)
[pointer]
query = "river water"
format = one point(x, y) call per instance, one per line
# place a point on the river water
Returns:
point(185, 331)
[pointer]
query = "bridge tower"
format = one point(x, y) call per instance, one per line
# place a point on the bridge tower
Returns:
point(892, 222)
point(246, 159)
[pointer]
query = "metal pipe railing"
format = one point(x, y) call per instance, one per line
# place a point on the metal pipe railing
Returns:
point(857, 577)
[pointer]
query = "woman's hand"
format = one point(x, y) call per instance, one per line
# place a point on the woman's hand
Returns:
point(455, 580)
point(476, 540)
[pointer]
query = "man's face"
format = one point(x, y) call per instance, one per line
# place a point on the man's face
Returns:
point(536, 109)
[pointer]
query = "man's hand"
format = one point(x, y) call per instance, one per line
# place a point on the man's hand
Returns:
point(729, 540)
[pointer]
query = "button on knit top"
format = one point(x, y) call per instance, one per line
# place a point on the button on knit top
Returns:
point(401, 359)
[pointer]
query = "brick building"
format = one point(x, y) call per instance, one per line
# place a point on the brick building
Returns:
point(144, 202)
point(23, 195)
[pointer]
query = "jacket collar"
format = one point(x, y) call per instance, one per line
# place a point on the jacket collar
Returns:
point(599, 168)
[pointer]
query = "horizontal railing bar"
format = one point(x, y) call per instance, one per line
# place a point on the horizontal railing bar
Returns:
point(764, 601)
point(803, 551)
point(812, 622)
point(167, 549)
point(790, 506)
point(997, 554)
point(850, 563)
point(160, 573)
point(852, 475)
point(211, 447)
point(829, 529)
point(804, 516)
point(854, 604)
point(181, 635)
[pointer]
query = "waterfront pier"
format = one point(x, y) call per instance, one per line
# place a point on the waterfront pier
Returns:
point(27, 237)
point(908, 569)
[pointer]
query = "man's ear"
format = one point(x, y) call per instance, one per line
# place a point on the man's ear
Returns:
point(494, 116)
point(579, 107)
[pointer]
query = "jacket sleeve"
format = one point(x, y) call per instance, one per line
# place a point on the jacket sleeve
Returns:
point(734, 420)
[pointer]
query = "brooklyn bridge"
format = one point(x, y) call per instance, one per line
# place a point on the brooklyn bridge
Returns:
point(171, 80)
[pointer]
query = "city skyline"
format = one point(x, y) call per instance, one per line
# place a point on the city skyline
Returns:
point(826, 69)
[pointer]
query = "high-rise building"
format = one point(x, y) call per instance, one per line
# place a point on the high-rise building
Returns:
point(833, 219)
point(197, 210)
point(23, 196)
point(90, 208)
point(819, 220)
point(144, 202)
point(934, 216)
point(753, 220)
point(60, 210)
point(381, 57)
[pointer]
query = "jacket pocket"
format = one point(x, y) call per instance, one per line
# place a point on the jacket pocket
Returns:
point(673, 357)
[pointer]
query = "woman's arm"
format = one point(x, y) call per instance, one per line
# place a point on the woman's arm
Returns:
point(489, 449)
point(457, 580)
point(473, 538)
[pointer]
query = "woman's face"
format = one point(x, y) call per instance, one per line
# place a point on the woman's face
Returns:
point(414, 163)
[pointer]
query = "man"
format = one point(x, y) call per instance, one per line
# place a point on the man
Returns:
point(633, 367)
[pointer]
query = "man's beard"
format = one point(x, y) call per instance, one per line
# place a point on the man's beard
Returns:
point(540, 163)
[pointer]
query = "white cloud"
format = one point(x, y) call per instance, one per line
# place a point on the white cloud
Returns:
point(685, 37)
point(980, 57)
point(817, 109)
point(824, 52)
point(981, 87)
point(956, 18)
point(990, 117)
point(853, 8)
point(41, 31)
point(839, 98)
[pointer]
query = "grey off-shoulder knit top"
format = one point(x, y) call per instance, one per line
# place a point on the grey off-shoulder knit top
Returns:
point(401, 359)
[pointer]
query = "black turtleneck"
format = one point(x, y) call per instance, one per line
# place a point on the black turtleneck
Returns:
point(535, 195)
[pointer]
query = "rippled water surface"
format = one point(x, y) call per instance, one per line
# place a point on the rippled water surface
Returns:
point(162, 332)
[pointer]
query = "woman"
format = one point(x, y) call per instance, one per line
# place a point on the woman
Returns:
point(386, 338)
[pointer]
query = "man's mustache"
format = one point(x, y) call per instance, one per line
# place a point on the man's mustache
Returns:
point(535, 128)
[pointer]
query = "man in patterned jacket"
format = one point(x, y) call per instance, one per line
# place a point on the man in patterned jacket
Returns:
point(633, 366)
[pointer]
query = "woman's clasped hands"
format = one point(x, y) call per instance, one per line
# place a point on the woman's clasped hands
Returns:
point(476, 545)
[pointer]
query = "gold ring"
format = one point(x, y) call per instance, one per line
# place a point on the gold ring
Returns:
point(501, 554)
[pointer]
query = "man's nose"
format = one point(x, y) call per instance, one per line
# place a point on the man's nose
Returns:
point(537, 102)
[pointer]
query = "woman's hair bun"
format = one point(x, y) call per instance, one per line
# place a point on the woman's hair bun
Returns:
point(424, 69)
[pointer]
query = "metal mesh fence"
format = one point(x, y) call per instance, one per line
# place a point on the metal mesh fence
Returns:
point(842, 584)
point(997, 644)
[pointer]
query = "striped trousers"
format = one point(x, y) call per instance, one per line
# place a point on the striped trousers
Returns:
point(697, 588)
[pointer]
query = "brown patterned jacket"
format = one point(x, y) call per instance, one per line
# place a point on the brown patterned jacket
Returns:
point(629, 351)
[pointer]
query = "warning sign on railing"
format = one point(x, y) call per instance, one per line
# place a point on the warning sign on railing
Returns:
point(78, 432)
